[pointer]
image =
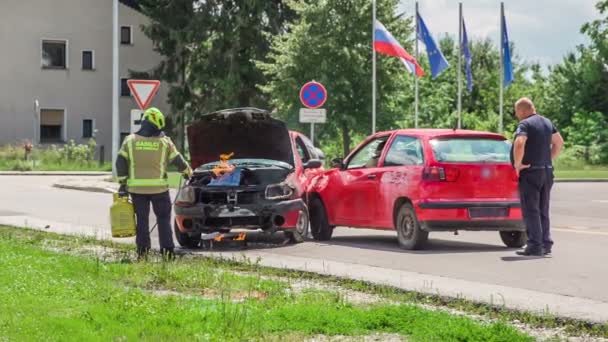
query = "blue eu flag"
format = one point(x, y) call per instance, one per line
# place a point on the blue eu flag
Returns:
point(436, 58)
point(468, 58)
point(507, 67)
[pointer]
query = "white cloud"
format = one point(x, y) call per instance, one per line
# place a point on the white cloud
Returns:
point(542, 30)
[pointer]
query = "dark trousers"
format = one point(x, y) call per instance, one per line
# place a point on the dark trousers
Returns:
point(161, 204)
point(534, 191)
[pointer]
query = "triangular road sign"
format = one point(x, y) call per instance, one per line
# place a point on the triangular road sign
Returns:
point(143, 91)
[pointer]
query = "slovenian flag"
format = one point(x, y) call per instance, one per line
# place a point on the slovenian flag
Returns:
point(386, 44)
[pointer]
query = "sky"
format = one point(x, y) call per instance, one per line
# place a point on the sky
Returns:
point(542, 30)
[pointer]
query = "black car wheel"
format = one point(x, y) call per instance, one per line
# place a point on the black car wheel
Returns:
point(319, 225)
point(184, 239)
point(409, 233)
point(514, 239)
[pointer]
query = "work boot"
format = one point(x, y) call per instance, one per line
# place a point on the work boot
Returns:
point(168, 254)
point(531, 252)
point(142, 253)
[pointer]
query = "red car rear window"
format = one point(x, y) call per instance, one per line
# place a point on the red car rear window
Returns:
point(471, 150)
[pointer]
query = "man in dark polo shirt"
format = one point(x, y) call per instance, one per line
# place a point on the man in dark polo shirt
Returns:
point(537, 143)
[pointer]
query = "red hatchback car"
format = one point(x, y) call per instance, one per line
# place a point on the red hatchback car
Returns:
point(416, 181)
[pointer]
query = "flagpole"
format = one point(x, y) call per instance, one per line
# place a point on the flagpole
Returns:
point(502, 71)
point(415, 76)
point(373, 67)
point(459, 65)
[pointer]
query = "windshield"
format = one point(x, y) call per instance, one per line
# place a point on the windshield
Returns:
point(252, 163)
point(471, 150)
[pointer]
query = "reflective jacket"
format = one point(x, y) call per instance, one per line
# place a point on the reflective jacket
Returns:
point(148, 158)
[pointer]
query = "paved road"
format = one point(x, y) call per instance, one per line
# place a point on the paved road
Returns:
point(577, 268)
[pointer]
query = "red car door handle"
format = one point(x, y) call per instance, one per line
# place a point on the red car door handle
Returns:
point(371, 176)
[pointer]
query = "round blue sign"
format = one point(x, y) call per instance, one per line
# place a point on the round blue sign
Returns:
point(313, 95)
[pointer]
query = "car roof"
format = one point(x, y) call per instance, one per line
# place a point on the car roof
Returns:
point(442, 132)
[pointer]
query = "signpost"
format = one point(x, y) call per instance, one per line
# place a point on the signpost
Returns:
point(313, 95)
point(136, 115)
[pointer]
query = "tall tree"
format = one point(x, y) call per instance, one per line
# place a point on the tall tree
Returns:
point(331, 42)
point(209, 48)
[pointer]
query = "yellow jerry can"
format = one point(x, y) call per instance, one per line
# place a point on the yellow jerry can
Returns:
point(122, 217)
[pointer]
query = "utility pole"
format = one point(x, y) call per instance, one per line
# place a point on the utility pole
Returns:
point(115, 110)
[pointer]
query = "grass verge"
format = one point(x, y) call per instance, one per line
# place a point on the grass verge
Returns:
point(582, 174)
point(48, 294)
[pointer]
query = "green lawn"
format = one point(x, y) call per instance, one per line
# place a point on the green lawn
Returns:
point(600, 172)
point(48, 294)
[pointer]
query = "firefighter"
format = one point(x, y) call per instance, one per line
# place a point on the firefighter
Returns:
point(142, 172)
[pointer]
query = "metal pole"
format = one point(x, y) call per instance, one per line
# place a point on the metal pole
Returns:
point(459, 65)
point(373, 67)
point(115, 118)
point(502, 75)
point(312, 133)
point(36, 118)
point(416, 77)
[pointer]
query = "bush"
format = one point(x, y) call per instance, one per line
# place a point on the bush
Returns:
point(577, 156)
point(22, 165)
point(71, 157)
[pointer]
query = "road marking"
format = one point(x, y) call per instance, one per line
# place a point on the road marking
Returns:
point(600, 201)
point(579, 231)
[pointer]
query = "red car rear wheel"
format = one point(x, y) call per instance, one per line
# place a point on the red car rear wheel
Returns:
point(409, 233)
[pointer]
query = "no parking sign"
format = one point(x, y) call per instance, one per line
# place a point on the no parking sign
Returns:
point(313, 95)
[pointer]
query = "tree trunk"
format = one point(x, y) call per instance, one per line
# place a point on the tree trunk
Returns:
point(345, 137)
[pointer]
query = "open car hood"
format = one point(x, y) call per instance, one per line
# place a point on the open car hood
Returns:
point(249, 133)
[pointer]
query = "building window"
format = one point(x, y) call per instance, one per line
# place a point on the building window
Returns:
point(126, 35)
point(124, 87)
point(51, 125)
point(54, 54)
point(87, 128)
point(88, 60)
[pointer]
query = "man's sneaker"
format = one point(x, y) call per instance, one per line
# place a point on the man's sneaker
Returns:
point(531, 252)
point(547, 251)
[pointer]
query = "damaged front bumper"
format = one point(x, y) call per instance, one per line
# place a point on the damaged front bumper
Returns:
point(212, 217)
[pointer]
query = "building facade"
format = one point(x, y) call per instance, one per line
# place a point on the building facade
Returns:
point(56, 70)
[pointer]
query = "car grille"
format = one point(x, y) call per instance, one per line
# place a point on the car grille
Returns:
point(234, 221)
point(488, 212)
point(245, 197)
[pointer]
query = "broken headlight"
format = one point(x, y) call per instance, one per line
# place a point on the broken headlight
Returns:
point(278, 192)
point(186, 196)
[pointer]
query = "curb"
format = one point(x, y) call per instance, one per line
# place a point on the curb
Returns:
point(56, 173)
point(84, 188)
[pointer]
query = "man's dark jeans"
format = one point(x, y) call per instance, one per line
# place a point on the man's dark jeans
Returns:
point(534, 189)
point(161, 204)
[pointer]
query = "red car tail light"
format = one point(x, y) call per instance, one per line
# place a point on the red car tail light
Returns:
point(440, 174)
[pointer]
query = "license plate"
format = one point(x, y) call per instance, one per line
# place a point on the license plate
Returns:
point(488, 212)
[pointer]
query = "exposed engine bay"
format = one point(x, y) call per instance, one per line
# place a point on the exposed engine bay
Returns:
point(244, 176)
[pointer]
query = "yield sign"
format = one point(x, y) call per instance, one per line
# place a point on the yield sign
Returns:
point(143, 91)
